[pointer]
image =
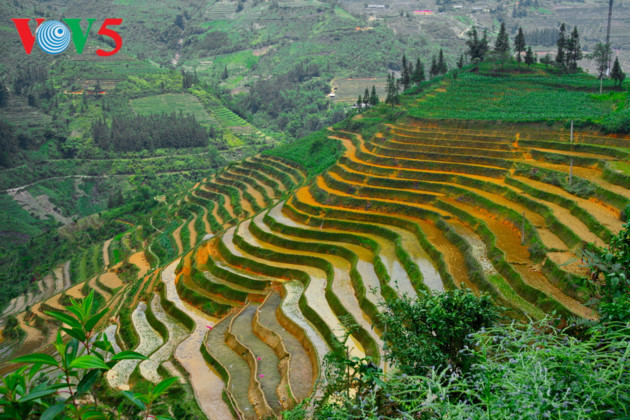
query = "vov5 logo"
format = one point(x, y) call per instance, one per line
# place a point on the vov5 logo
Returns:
point(53, 36)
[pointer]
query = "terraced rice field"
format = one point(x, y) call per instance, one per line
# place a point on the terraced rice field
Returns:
point(278, 270)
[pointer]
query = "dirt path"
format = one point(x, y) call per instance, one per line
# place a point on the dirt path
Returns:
point(193, 231)
point(76, 291)
point(206, 383)
point(139, 259)
point(178, 239)
point(106, 253)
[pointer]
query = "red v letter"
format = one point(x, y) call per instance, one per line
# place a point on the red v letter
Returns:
point(24, 31)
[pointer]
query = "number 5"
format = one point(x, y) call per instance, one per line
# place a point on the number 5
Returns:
point(111, 34)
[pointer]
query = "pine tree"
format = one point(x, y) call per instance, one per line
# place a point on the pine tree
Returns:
point(574, 50)
point(366, 97)
point(562, 45)
point(477, 48)
point(519, 45)
point(418, 73)
point(502, 44)
point(374, 97)
point(405, 77)
point(360, 102)
point(529, 57)
point(441, 65)
point(434, 67)
point(617, 74)
point(392, 91)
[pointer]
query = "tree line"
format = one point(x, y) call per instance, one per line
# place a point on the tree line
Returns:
point(139, 132)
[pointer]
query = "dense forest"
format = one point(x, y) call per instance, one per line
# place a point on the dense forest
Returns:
point(135, 133)
point(294, 102)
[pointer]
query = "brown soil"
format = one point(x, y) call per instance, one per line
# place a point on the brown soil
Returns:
point(106, 253)
point(315, 293)
point(111, 280)
point(33, 340)
point(94, 286)
point(342, 284)
point(603, 214)
point(245, 204)
point(193, 232)
point(227, 205)
point(178, 239)
point(140, 260)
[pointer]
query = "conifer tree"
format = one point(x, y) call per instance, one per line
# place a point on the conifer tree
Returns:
point(519, 45)
point(418, 73)
point(366, 97)
point(617, 74)
point(374, 97)
point(562, 45)
point(360, 102)
point(477, 48)
point(529, 57)
point(392, 91)
point(502, 44)
point(434, 68)
point(573, 50)
point(441, 65)
point(405, 77)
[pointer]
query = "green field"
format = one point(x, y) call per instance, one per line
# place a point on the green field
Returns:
point(171, 102)
point(520, 98)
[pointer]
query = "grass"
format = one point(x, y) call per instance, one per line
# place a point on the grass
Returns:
point(171, 102)
point(622, 166)
point(315, 152)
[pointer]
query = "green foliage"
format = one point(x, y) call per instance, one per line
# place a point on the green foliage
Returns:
point(515, 98)
point(82, 361)
point(431, 331)
point(610, 271)
point(522, 371)
point(315, 152)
